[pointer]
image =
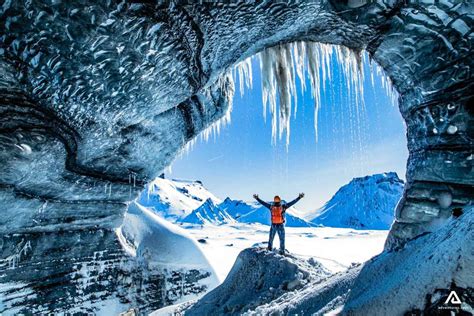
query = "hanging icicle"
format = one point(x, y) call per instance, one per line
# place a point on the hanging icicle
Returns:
point(280, 63)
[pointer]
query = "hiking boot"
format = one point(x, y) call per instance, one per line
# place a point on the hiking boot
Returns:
point(269, 248)
point(282, 252)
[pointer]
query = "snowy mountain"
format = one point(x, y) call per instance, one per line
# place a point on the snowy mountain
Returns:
point(190, 202)
point(364, 203)
point(175, 199)
point(253, 212)
point(238, 208)
point(208, 213)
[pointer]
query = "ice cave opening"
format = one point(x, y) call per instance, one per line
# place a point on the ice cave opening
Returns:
point(97, 97)
point(228, 174)
point(358, 139)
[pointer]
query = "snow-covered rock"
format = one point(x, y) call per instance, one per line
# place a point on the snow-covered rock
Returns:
point(208, 213)
point(257, 277)
point(175, 199)
point(364, 203)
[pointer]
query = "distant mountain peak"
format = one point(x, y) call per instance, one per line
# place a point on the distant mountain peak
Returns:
point(364, 203)
point(208, 213)
point(175, 199)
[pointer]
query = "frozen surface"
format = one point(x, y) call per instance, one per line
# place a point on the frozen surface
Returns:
point(335, 248)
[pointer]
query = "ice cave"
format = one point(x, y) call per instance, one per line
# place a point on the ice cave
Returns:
point(98, 97)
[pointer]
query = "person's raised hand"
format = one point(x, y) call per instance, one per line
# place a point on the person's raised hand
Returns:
point(255, 196)
point(301, 195)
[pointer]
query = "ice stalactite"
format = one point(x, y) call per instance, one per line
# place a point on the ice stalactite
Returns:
point(227, 85)
point(279, 65)
point(244, 70)
point(278, 76)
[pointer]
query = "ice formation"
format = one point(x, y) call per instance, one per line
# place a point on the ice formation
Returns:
point(281, 65)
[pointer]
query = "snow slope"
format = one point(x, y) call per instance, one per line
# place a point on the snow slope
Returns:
point(175, 199)
point(418, 277)
point(208, 213)
point(168, 254)
point(364, 203)
point(158, 242)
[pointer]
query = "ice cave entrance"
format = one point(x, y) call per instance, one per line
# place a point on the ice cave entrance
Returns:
point(339, 106)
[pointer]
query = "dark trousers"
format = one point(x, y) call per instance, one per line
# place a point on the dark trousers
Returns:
point(280, 229)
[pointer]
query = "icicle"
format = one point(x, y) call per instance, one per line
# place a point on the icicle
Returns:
point(313, 57)
point(280, 65)
point(227, 85)
point(244, 70)
point(299, 51)
point(267, 65)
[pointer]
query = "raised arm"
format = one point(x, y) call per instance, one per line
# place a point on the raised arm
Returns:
point(267, 205)
point(290, 204)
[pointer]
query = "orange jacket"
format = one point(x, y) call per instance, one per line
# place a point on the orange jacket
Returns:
point(277, 214)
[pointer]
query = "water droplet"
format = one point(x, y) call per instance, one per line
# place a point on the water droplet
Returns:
point(435, 130)
point(452, 129)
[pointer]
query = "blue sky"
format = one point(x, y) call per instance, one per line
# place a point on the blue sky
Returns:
point(241, 160)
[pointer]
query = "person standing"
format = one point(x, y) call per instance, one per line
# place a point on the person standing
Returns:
point(277, 211)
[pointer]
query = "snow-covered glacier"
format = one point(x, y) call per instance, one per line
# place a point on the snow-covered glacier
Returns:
point(98, 97)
